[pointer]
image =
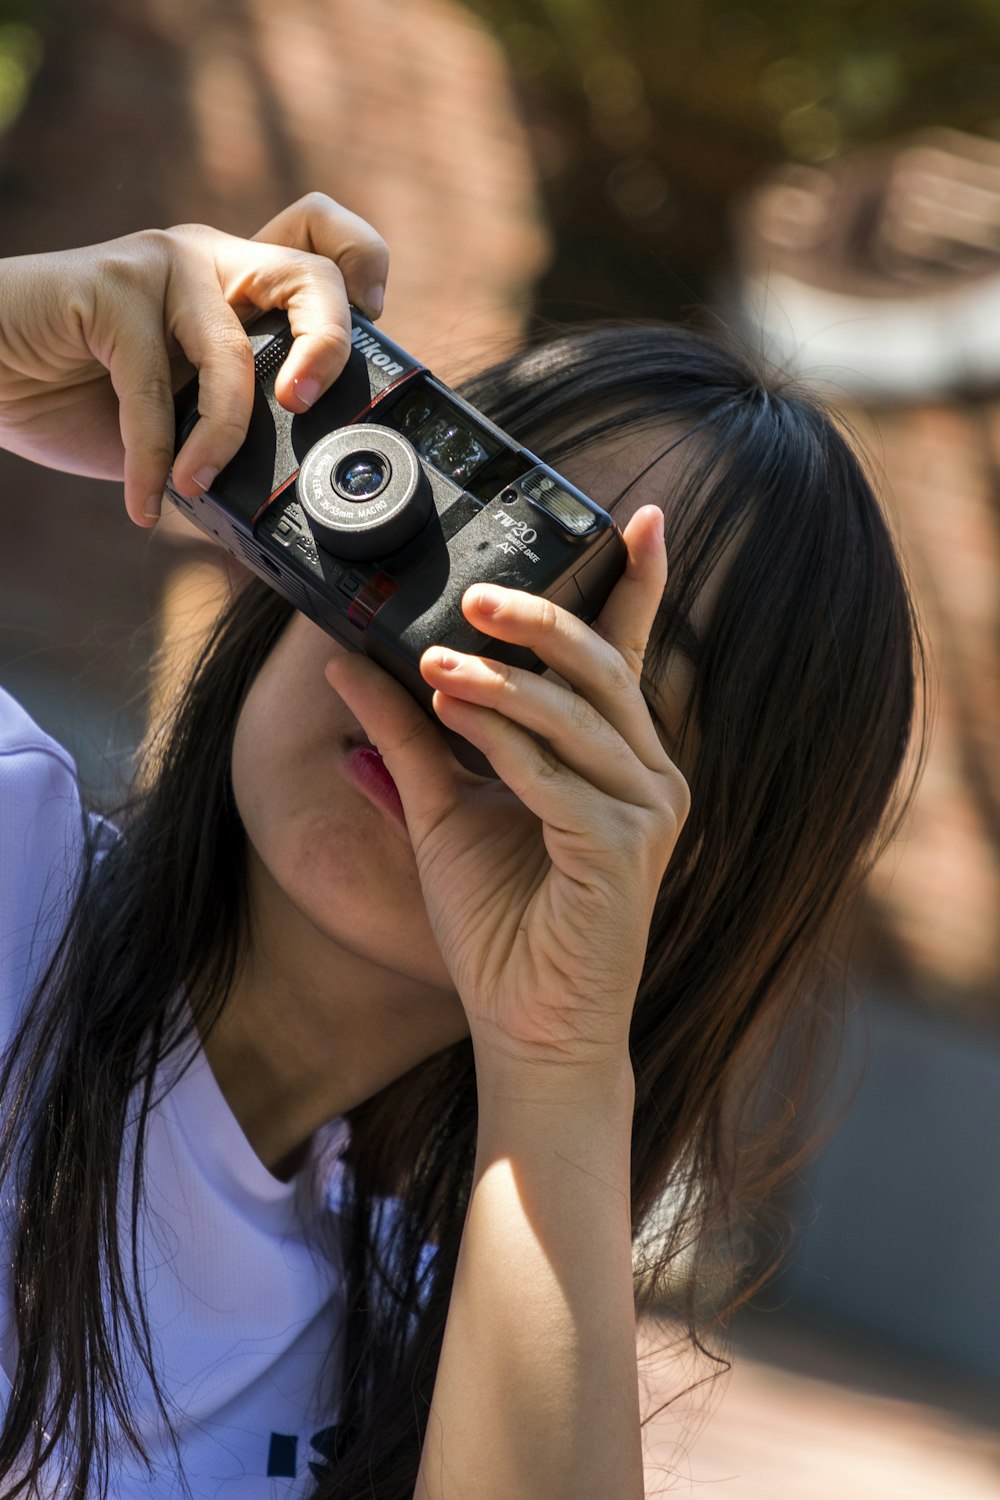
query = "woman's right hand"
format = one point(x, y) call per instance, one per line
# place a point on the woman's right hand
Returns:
point(94, 341)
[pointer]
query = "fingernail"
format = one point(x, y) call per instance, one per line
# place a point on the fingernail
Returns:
point(447, 661)
point(203, 477)
point(151, 509)
point(658, 529)
point(307, 389)
point(486, 599)
point(375, 300)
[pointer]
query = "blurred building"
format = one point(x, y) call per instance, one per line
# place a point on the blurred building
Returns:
point(877, 278)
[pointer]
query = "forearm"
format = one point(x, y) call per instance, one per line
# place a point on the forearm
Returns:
point(537, 1390)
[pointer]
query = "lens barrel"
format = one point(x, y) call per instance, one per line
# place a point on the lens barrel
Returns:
point(364, 492)
point(361, 476)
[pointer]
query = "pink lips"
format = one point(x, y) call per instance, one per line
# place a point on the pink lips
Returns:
point(367, 770)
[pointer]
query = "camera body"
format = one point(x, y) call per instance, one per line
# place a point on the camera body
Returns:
point(375, 510)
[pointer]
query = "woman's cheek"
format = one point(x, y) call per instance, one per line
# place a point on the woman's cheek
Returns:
point(323, 845)
point(350, 877)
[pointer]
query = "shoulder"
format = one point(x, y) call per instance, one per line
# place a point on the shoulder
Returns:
point(26, 749)
point(42, 842)
point(41, 817)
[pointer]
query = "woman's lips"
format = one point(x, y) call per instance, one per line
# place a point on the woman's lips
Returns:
point(368, 771)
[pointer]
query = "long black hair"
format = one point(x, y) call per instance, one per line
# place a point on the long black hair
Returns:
point(796, 732)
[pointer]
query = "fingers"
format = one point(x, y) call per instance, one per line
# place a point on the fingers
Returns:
point(140, 374)
point(317, 224)
point(309, 260)
point(347, 261)
point(549, 740)
point(577, 734)
point(311, 290)
point(587, 821)
point(603, 663)
point(579, 754)
point(432, 785)
point(628, 615)
point(425, 771)
point(214, 340)
point(531, 770)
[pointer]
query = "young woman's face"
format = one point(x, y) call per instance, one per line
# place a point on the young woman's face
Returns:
point(339, 855)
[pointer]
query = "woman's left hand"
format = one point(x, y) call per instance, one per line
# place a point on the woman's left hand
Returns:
point(539, 887)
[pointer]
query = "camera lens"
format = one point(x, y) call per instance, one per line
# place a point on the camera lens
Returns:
point(364, 492)
point(361, 476)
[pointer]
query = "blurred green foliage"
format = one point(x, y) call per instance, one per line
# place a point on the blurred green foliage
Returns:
point(21, 51)
point(799, 78)
point(651, 118)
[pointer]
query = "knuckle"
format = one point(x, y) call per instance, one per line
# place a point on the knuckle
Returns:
point(352, 257)
point(153, 455)
point(673, 803)
point(633, 831)
point(185, 231)
point(584, 717)
point(502, 678)
point(179, 240)
point(547, 765)
point(681, 796)
point(225, 339)
point(633, 654)
point(316, 202)
point(152, 241)
point(357, 237)
point(415, 729)
point(126, 264)
point(620, 676)
point(630, 654)
point(546, 617)
point(364, 243)
point(227, 427)
point(159, 455)
point(153, 391)
point(335, 343)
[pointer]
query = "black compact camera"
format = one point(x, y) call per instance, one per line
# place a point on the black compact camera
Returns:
point(375, 510)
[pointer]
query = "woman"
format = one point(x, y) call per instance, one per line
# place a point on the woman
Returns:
point(330, 1117)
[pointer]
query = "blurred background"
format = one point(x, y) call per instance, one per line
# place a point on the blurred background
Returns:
point(822, 181)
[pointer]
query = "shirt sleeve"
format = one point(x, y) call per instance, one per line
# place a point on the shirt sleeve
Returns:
point(42, 826)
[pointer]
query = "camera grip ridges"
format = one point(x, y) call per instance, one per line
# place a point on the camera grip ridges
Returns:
point(268, 360)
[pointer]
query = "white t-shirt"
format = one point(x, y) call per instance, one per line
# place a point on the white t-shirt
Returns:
point(245, 1307)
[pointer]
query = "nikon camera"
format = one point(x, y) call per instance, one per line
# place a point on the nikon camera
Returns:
point(376, 509)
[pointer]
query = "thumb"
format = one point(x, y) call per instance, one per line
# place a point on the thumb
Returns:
point(427, 775)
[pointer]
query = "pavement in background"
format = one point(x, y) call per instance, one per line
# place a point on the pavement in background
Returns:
point(777, 1429)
